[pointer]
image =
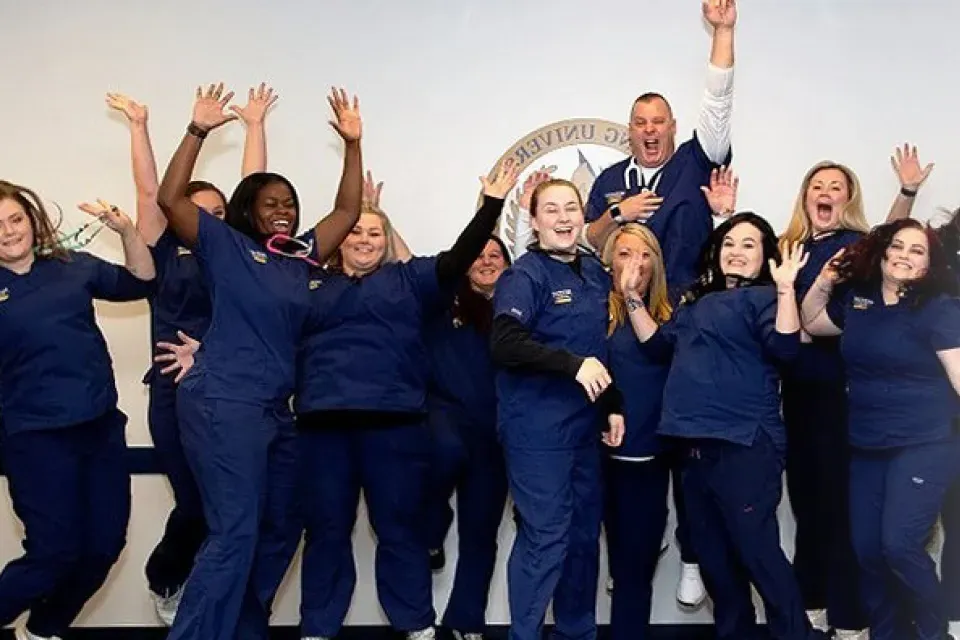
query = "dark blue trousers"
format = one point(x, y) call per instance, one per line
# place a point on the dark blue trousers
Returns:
point(558, 493)
point(950, 560)
point(818, 463)
point(469, 460)
point(732, 493)
point(391, 465)
point(244, 458)
point(71, 490)
point(635, 516)
point(895, 497)
point(172, 560)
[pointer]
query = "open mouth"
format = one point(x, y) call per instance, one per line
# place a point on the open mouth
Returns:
point(736, 262)
point(651, 145)
point(281, 225)
point(564, 232)
point(824, 212)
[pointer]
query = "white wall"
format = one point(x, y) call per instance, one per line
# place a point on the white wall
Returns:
point(446, 88)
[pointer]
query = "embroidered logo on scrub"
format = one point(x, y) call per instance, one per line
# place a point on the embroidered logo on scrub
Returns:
point(314, 284)
point(564, 296)
point(516, 312)
point(183, 251)
point(862, 303)
point(4, 294)
point(259, 256)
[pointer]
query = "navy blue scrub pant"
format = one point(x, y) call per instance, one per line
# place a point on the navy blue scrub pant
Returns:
point(468, 460)
point(635, 516)
point(818, 464)
point(391, 465)
point(558, 494)
point(244, 457)
point(71, 490)
point(895, 497)
point(732, 493)
point(172, 560)
point(688, 554)
point(950, 560)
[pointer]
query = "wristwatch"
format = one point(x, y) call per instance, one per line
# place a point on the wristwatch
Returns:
point(616, 215)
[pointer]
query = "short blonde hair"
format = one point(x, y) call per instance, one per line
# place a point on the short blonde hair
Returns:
point(659, 305)
point(852, 217)
point(389, 253)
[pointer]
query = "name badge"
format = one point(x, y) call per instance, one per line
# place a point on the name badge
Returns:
point(564, 296)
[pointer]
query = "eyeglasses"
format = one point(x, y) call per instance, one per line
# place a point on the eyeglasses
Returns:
point(287, 246)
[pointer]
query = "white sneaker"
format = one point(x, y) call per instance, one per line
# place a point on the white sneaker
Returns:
point(690, 591)
point(459, 635)
point(423, 634)
point(23, 634)
point(818, 619)
point(848, 634)
point(167, 606)
point(955, 628)
point(314, 638)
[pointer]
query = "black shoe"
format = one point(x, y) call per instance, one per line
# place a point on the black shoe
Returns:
point(438, 560)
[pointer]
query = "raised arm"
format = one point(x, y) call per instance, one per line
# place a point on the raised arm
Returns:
point(331, 230)
point(785, 275)
point(137, 258)
point(912, 175)
point(150, 221)
point(716, 110)
point(452, 265)
point(371, 198)
point(254, 116)
point(208, 114)
point(813, 311)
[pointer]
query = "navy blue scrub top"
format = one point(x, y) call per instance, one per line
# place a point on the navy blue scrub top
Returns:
point(55, 369)
point(562, 310)
point(898, 390)
point(461, 371)
point(684, 220)
point(365, 352)
point(820, 360)
point(724, 382)
point(181, 301)
point(261, 305)
point(641, 377)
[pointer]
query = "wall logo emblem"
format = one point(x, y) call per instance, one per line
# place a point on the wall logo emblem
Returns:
point(577, 150)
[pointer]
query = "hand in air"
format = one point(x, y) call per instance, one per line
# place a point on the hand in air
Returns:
point(721, 195)
point(259, 101)
point(793, 259)
point(111, 216)
point(209, 108)
point(348, 122)
point(907, 166)
point(503, 181)
point(135, 112)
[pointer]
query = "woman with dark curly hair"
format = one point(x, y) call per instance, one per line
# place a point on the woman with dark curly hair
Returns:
point(732, 332)
point(900, 324)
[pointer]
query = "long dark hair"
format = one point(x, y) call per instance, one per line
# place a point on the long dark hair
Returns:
point(860, 264)
point(240, 208)
point(711, 276)
point(473, 308)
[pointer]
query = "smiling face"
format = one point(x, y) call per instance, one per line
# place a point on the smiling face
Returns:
point(741, 253)
point(275, 209)
point(364, 247)
point(558, 217)
point(827, 194)
point(652, 132)
point(486, 269)
point(16, 234)
point(907, 258)
point(626, 248)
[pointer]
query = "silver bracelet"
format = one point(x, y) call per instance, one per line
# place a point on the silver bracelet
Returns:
point(633, 304)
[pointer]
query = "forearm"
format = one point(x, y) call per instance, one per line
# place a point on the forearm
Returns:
point(788, 315)
point(254, 149)
point(512, 347)
point(902, 207)
point(150, 220)
point(721, 51)
point(454, 264)
point(331, 231)
point(644, 326)
point(137, 258)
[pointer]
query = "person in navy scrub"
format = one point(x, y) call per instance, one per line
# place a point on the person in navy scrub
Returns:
point(637, 474)
point(827, 216)
point(733, 331)
point(181, 305)
point(63, 435)
point(554, 397)
point(899, 321)
point(660, 185)
point(361, 410)
point(466, 456)
point(233, 404)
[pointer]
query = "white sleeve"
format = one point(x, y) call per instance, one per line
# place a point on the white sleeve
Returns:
point(713, 125)
point(523, 235)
